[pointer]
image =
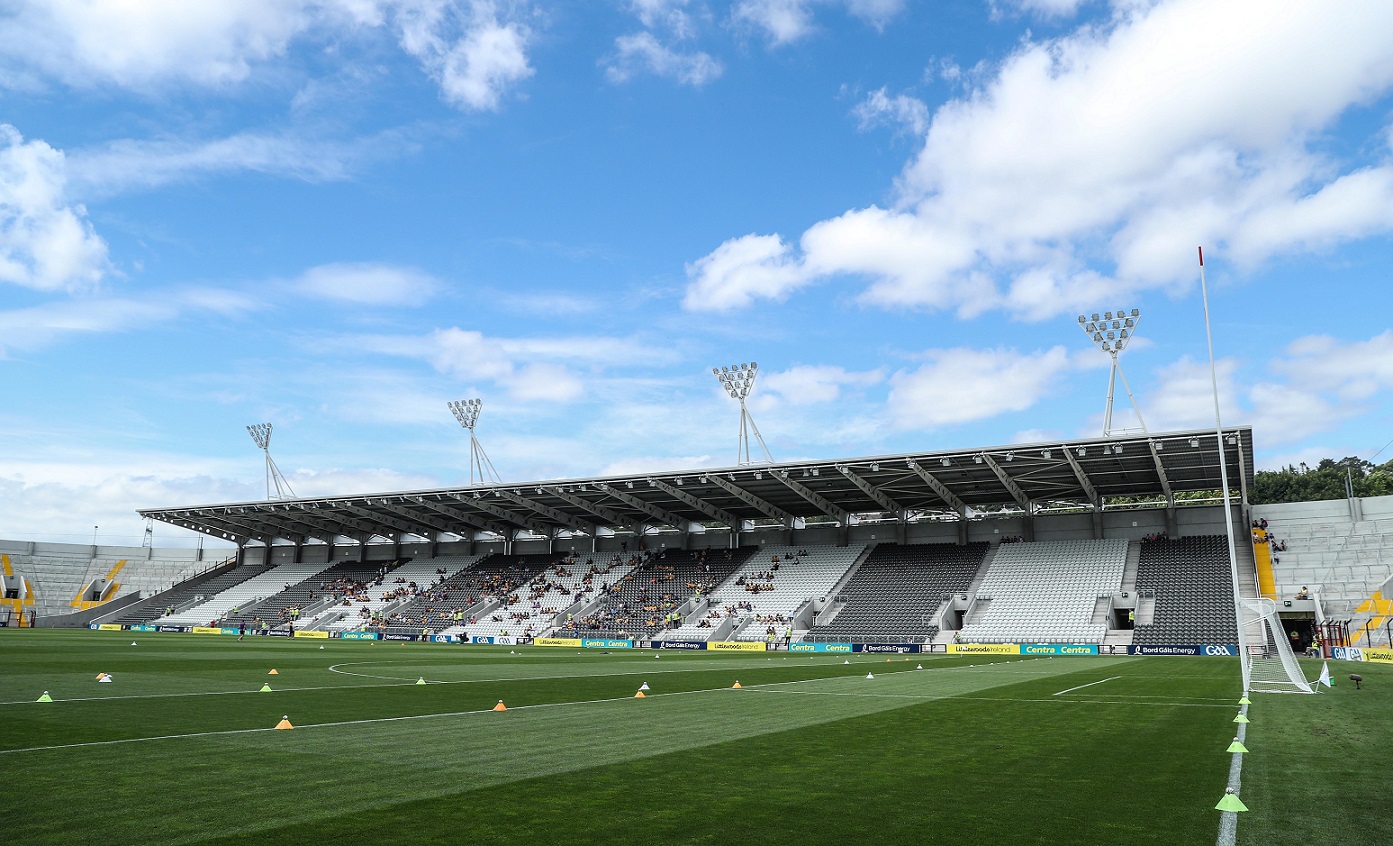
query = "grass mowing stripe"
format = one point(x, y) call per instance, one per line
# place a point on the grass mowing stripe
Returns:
point(291, 775)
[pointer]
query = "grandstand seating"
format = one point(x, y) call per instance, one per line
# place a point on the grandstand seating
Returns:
point(496, 577)
point(639, 601)
point(548, 594)
point(243, 594)
point(323, 588)
point(1045, 592)
point(803, 572)
point(895, 593)
point(395, 590)
point(184, 597)
point(1193, 588)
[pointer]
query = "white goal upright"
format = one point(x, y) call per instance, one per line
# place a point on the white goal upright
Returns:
point(1269, 666)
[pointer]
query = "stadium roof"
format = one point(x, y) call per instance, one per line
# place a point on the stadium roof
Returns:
point(913, 486)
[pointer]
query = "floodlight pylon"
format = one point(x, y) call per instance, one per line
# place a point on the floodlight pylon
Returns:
point(467, 413)
point(739, 381)
point(261, 436)
point(1111, 332)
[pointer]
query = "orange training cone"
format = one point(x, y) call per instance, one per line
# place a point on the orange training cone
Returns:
point(500, 706)
point(284, 723)
point(101, 676)
point(735, 686)
point(273, 673)
point(640, 695)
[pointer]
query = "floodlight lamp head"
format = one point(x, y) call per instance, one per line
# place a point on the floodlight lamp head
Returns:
point(261, 434)
point(466, 411)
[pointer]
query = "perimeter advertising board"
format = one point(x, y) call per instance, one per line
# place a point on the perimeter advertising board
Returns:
point(1211, 649)
point(888, 648)
point(1059, 649)
point(358, 636)
point(321, 635)
point(605, 643)
point(984, 649)
point(556, 641)
point(821, 647)
point(1380, 656)
point(679, 644)
point(736, 646)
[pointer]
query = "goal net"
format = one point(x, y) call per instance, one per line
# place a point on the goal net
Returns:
point(1268, 663)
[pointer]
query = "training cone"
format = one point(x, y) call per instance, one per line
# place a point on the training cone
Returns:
point(101, 676)
point(919, 666)
point(273, 673)
point(1230, 802)
point(657, 656)
point(284, 723)
point(644, 686)
point(44, 698)
point(421, 680)
point(265, 688)
point(106, 679)
point(870, 675)
point(1240, 719)
point(500, 706)
point(321, 647)
point(735, 686)
point(887, 660)
point(846, 662)
point(132, 643)
point(640, 695)
point(1236, 747)
point(1245, 701)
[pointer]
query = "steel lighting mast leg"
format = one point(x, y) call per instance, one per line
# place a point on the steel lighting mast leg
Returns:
point(1112, 332)
point(261, 435)
point(467, 413)
point(739, 380)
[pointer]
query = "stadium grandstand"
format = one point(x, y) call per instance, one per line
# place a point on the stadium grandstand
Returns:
point(1080, 542)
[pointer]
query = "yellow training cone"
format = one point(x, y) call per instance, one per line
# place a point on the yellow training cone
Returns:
point(421, 680)
point(265, 688)
point(500, 706)
point(284, 723)
point(1245, 701)
point(640, 695)
point(1240, 719)
point(273, 673)
point(44, 698)
point(735, 686)
point(1230, 802)
point(1236, 747)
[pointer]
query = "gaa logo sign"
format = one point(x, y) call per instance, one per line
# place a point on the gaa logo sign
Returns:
point(1218, 650)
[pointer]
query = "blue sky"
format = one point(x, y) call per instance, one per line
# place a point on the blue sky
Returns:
point(336, 215)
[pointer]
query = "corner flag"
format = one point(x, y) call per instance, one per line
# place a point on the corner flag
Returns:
point(1325, 675)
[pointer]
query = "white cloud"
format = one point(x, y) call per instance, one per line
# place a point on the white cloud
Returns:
point(670, 15)
point(466, 46)
point(1097, 161)
point(741, 271)
point(812, 384)
point(643, 51)
point(902, 112)
point(28, 329)
point(1184, 397)
point(127, 163)
point(1044, 8)
point(786, 21)
point(961, 385)
point(46, 242)
point(367, 284)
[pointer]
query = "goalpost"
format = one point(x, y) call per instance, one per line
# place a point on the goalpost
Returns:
point(1269, 665)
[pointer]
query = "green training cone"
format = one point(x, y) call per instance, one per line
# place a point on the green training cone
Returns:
point(1240, 719)
point(44, 698)
point(1245, 701)
point(1236, 747)
point(265, 688)
point(1230, 802)
point(421, 680)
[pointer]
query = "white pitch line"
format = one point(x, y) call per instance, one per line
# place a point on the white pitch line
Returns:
point(947, 696)
point(1082, 686)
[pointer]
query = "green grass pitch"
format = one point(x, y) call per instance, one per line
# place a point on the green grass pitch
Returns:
point(180, 747)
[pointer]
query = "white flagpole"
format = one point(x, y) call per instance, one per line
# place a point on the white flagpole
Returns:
point(1224, 481)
